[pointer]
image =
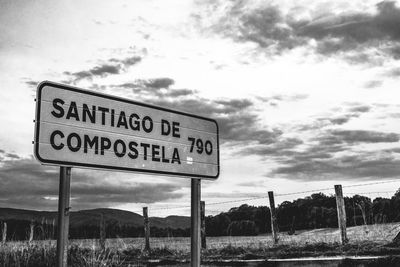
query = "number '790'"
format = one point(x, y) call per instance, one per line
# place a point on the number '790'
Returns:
point(200, 145)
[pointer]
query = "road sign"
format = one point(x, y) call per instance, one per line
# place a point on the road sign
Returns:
point(80, 128)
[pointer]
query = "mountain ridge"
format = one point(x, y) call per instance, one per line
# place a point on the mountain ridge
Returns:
point(92, 217)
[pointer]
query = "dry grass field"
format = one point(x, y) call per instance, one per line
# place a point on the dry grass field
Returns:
point(363, 240)
point(377, 233)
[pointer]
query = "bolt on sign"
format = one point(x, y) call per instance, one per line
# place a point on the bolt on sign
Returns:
point(81, 128)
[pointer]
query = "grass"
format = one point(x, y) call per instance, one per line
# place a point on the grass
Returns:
point(364, 240)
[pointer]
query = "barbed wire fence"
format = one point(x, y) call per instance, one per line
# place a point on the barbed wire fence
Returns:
point(212, 207)
point(349, 191)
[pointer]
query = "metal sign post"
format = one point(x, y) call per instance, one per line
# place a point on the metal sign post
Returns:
point(63, 216)
point(195, 245)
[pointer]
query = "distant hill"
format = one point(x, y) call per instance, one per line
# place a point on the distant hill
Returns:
point(173, 221)
point(86, 223)
point(92, 218)
point(20, 214)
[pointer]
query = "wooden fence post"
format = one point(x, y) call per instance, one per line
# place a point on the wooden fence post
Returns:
point(4, 234)
point(53, 229)
point(341, 211)
point(203, 224)
point(102, 232)
point(31, 229)
point(274, 224)
point(146, 229)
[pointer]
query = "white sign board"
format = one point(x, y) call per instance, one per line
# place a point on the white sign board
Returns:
point(81, 128)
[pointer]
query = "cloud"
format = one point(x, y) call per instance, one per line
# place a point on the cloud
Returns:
point(24, 183)
point(276, 99)
point(274, 31)
point(156, 88)
point(7, 156)
point(282, 146)
point(240, 126)
point(142, 85)
point(357, 27)
point(236, 118)
point(360, 109)
point(101, 71)
point(209, 108)
point(231, 105)
point(264, 27)
point(395, 115)
point(242, 21)
point(180, 92)
point(394, 51)
point(12, 156)
point(331, 155)
point(354, 110)
point(31, 83)
point(393, 72)
point(127, 62)
point(334, 137)
point(356, 32)
point(340, 120)
point(243, 127)
point(373, 84)
point(363, 166)
point(158, 83)
point(112, 67)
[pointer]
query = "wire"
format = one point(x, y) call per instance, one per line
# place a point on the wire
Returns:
point(233, 201)
point(383, 182)
point(302, 192)
point(288, 194)
point(369, 193)
point(171, 208)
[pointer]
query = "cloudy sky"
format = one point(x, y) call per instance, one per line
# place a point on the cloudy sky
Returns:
point(305, 93)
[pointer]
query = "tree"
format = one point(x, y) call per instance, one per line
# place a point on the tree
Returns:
point(242, 228)
point(217, 225)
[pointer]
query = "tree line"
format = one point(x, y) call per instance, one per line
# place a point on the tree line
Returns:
point(311, 212)
point(20, 230)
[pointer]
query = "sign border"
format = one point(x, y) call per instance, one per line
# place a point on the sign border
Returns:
point(108, 167)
